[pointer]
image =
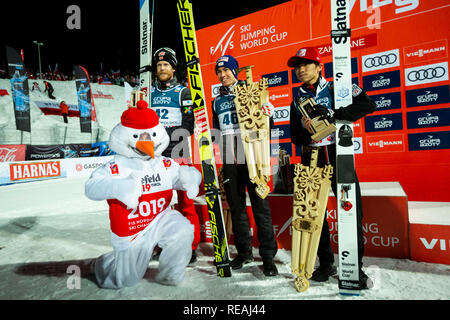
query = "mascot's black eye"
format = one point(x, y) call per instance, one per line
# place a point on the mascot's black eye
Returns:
point(154, 134)
point(135, 136)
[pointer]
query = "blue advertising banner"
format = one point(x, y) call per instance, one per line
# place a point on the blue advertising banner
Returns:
point(386, 122)
point(84, 95)
point(387, 101)
point(381, 81)
point(429, 141)
point(428, 118)
point(19, 89)
point(427, 96)
point(277, 78)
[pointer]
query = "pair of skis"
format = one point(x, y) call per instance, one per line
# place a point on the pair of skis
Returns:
point(210, 180)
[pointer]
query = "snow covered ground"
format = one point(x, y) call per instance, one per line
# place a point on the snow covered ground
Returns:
point(49, 230)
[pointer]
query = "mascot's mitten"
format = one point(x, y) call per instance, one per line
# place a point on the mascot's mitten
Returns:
point(189, 180)
point(128, 190)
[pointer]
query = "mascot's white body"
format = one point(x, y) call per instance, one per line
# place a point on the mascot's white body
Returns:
point(138, 185)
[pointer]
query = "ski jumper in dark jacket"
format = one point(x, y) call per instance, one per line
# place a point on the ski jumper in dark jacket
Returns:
point(322, 92)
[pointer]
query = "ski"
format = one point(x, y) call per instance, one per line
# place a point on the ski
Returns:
point(146, 35)
point(203, 136)
point(345, 177)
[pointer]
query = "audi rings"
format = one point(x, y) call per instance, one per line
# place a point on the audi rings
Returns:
point(281, 114)
point(424, 74)
point(382, 60)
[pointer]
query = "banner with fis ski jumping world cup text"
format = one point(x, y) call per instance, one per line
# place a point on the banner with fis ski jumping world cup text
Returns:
point(400, 58)
point(19, 89)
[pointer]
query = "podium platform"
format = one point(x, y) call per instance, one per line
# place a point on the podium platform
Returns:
point(392, 226)
point(429, 231)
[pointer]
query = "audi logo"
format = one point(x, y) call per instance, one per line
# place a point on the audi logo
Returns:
point(281, 114)
point(423, 74)
point(382, 60)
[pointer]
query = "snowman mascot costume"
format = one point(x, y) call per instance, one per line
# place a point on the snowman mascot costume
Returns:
point(138, 186)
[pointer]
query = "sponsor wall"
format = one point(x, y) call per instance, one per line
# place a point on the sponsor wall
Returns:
point(399, 56)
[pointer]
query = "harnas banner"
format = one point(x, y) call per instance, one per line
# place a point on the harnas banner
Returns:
point(399, 56)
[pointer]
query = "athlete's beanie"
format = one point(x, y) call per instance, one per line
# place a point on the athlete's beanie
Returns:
point(165, 54)
point(141, 117)
point(228, 61)
point(310, 54)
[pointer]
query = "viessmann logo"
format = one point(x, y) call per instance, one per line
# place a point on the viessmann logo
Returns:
point(391, 143)
point(426, 51)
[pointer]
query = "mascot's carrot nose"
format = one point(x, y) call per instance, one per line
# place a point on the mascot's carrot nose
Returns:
point(145, 145)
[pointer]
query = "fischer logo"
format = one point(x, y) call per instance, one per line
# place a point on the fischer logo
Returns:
point(224, 43)
point(431, 245)
point(22, 171)
point(401, 5)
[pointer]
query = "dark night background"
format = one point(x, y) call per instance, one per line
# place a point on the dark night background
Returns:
point(109, 30)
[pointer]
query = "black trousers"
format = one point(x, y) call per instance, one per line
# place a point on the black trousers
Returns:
point(327, 155)
point(236, 179)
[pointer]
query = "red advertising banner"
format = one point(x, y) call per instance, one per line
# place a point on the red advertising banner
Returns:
point(34, 170)
point(12, 152)
point(400, 58)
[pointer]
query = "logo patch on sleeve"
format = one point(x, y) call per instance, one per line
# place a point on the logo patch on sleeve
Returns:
point(167, 163)
point(114, 168)
point(356, 91)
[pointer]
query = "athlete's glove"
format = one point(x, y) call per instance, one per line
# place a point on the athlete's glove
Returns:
point(268, 109)
point(323, 113)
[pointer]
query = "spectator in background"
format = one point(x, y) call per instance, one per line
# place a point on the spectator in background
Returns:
point(36, 87)
point(64, 111)
point(49, 89)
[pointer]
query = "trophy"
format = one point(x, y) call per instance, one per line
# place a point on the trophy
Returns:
point(311, 190)
point(255, 129)
point(321, 128)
